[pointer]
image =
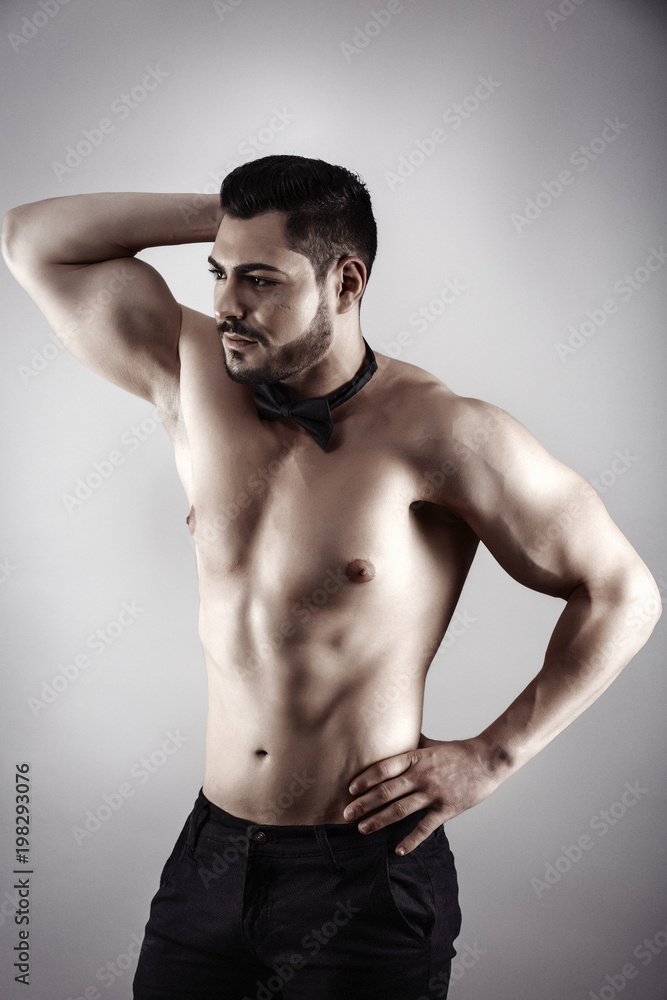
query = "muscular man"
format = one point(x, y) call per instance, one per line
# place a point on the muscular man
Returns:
point(333, 538)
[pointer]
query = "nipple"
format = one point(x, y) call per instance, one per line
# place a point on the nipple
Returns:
point(190, 520)
point(360, 570)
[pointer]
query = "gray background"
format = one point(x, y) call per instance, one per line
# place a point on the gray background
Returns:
point(225, 68)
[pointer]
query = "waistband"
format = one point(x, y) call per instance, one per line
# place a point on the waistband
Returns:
point(345, 836)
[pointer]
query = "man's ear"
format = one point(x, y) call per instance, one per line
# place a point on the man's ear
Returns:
point(350, 282)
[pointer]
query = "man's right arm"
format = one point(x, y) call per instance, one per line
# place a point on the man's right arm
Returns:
point(75, 257)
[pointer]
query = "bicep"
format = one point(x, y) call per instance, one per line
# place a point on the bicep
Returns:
point(117, 317)
point(542, 521)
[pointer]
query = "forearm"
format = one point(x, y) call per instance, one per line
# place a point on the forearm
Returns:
point(597, 634)
point(89, 228)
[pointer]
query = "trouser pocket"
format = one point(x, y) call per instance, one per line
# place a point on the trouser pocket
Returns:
point(409, 890)
point(172, 861)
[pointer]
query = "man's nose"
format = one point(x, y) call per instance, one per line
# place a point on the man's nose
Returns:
point(227, 302)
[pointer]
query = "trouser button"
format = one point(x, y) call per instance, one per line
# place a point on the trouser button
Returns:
point(259, 837)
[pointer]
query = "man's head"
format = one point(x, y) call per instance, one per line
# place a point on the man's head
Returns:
point(311, 225)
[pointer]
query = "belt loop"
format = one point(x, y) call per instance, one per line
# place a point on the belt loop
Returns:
point(327, 853)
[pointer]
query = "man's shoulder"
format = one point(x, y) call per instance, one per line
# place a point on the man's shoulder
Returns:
point(456, 444)
point(405, 383)
point(436, 410)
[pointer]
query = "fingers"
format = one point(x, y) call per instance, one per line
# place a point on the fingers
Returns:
point(378, 796)
point(391, 767)
point(422, 830)
point(394, 812)
point(391, 783)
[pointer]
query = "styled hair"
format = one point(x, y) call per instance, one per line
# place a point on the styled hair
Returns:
point(329, 213)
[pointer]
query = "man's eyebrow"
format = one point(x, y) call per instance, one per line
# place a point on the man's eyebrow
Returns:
point(246, 268)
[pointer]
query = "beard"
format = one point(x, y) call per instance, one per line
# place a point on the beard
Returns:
point(283, 362)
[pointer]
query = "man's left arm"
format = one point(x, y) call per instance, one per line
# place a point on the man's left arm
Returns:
point(549, 529)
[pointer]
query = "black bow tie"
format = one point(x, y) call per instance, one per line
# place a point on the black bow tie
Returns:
point(314, 414)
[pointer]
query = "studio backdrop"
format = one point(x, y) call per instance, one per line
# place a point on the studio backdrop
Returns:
point(515, 154)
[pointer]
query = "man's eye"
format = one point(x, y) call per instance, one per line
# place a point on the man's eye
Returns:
point(256, 282)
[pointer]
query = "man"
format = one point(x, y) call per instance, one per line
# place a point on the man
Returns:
point(333, 538)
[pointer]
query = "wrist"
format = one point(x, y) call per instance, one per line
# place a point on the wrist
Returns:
point(495, 755)
point(202, 214)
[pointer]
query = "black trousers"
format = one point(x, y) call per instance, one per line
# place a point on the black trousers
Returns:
point(267, 912)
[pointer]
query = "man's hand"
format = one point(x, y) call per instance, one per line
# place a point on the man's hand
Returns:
point(446, 777)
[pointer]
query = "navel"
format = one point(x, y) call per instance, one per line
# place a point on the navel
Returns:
point(360, 570)
point(190, 520)
point(260, 753)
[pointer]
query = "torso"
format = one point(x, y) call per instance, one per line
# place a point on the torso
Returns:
point(325, 584)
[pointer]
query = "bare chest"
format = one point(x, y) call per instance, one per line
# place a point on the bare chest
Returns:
point(280, 526)
point(270, 503)
point(274, 517)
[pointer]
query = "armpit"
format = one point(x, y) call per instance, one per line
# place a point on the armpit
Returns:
point(190, 520)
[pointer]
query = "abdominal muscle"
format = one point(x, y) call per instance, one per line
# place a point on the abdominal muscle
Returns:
point(289, 729)
point(317, 672)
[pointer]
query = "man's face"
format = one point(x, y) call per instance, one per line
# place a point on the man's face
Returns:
point(267, 295)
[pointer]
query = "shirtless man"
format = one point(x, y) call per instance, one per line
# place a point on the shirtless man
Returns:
point(329, 568)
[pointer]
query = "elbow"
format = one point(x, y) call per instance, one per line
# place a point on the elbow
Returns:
point(20, 234)
point(642, 599)
point(645, 585)
point(13, 230)
point(629, 592)
point(653, 604)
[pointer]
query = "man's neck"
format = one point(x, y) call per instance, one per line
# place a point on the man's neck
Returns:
point(341, 363)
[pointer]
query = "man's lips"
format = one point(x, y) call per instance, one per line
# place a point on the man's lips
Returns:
point(234, 339)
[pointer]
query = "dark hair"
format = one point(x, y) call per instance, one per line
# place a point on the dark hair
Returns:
point(329, 213)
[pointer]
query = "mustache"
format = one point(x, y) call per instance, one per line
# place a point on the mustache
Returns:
point(239, 328)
